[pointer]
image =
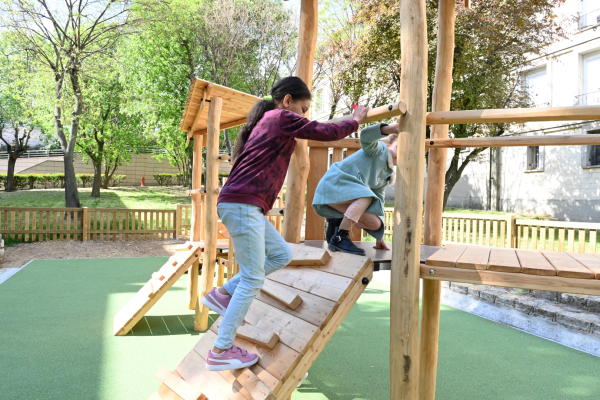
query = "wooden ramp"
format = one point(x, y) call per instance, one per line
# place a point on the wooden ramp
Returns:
point(157, 286)
point(302, 305)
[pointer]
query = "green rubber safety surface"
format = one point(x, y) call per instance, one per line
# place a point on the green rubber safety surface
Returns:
point(56, 343)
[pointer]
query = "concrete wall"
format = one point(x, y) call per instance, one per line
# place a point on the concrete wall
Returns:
point(141, 165)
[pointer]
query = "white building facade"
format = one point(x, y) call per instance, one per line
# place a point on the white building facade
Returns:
point(560, 182)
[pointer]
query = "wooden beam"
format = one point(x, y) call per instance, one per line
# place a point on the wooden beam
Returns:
point(205, 95)
point(513, 280)
point(196, 219)
point(315, 224)
point(376, 114)
point(434, 200)
point(351, 144)
point(226, 125)
point(513, 141)
point(299, 164)
point(178, 385)
point(211, 219)
point(514, 115)
point(408, 207)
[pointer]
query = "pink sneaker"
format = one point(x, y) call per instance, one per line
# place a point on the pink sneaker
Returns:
point(233, 358)
point(216, 301)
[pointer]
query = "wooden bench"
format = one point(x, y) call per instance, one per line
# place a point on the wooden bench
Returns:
point(577, 273)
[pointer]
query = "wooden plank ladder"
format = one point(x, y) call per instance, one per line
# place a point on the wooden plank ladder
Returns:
point(327, 287)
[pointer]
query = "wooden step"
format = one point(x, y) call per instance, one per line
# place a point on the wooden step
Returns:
point(179, 386)
point(306, 255)
point(282, 294)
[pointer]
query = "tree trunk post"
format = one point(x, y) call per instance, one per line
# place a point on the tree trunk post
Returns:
point(10, 176)
point(408, 208)
point(97, 179)
point(196, 220)
point(71, 193)
point(212, 188)
point(299, 164)
point(434, 200)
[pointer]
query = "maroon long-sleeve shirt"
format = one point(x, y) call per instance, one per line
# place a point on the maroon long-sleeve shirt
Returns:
point(259, 171)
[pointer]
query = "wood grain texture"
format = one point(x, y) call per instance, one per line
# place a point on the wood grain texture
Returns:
point(504, 260)
point(313, 309)
point(521, 281)
point(447, 256)
point(211, 218)
point(306, 255)
point(408, 207)
point(315, 225)
point(534, 263)
point(282, 294)
point(299, 163)
point(474, 257)
point(178, 385)
point(567, 266)
point(591, 262)
point(328, 286)
point(512, 141)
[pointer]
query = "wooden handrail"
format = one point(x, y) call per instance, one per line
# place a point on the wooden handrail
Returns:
point(376, 114)
point(512, 141)
point(514, 115)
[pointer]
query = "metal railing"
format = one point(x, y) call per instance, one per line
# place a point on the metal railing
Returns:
point(588, 99)
point(589, 19)
point(35, 153)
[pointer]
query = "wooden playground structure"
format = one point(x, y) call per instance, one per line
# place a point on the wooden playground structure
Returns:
point(302, 305)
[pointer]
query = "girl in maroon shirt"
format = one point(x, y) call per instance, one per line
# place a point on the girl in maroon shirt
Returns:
point(261, 156)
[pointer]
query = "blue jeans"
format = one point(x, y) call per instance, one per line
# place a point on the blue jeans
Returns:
point(259, 250)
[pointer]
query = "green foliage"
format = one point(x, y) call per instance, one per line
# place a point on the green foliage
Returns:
point(164, 179)
point(2, 179)
point(116, 180)
point(85, 179)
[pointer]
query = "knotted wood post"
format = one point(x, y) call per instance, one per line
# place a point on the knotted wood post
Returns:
point(211, 219)
point(299, 164)
point(404, 320)
point(434, 199)
point(196, 220)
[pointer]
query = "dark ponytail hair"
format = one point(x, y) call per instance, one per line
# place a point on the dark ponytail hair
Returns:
point(291, 85)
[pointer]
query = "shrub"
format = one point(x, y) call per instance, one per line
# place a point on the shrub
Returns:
point(3, 180)
point(85, 179)
point(20, 181)
point(180, 180)
point(57, 180)
point(32, 179)
point(164, 179)
point(116, 180)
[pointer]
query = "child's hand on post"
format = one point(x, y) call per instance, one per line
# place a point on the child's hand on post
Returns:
point(360, 114)
point(389, 129)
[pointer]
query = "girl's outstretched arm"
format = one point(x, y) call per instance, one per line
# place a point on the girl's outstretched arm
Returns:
point(299, 127)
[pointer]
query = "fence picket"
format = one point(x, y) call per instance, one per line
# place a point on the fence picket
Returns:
point(502, 234)
point(534, 238)
point(495, 234)
point(581, 247)
point(561, 239)
point(593, 233)
point(571, 240)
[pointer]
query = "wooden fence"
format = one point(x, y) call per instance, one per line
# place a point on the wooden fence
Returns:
point(103, 224)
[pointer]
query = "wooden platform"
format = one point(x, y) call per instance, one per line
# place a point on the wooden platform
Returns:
point(577, 273)
point(328, 293)
point(376, 255)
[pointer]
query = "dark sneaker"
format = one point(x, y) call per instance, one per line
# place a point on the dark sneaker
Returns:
point(332, 226)
point(341, 242)
point(233, 358)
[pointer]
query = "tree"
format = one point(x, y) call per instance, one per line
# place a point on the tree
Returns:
point(246, 45)
point(16, 103)
point(493, 42)
point(65, 38)
point(107, 136)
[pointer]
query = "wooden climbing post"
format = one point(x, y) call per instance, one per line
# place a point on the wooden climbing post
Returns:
point(404, 320)
point(196, 228)
point(211, 219)
point(434, 200)
point(299, 164)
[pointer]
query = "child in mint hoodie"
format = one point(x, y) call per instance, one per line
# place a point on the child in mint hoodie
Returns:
point(353, 190)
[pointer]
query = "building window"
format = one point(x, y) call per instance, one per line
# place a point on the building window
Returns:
point(537, 88)
point(533, 158)
point(591, 154)
point(591, 81)
point(590, 13)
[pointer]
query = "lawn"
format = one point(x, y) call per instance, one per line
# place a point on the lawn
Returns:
point(131, 197)
point(57, 343)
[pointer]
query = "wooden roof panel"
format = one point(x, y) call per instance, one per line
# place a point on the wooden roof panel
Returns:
point(236, 106)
